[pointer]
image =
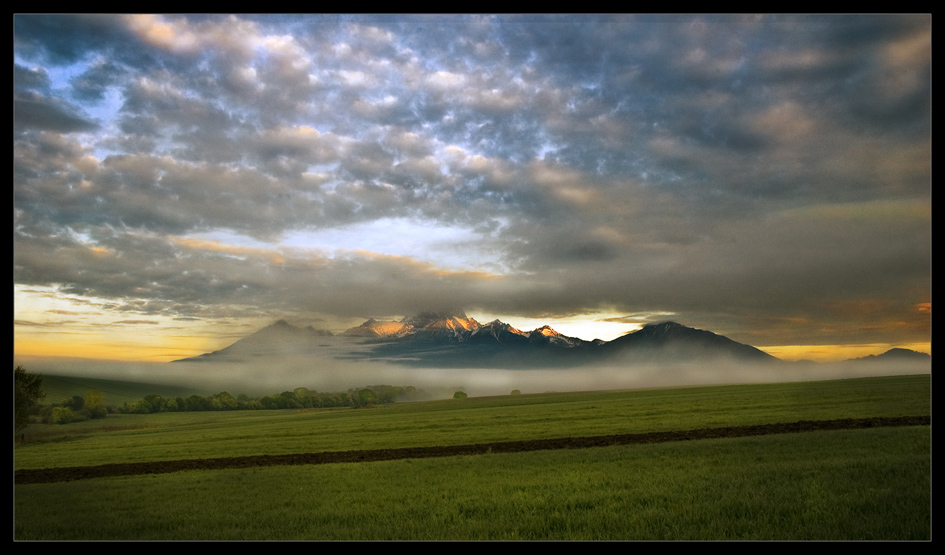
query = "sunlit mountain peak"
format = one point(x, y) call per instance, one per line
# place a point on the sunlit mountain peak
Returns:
point(440, 317)
point(451, 325)
point(547, 331)
point(499, 325)
point(373, 328)
point(455, 323)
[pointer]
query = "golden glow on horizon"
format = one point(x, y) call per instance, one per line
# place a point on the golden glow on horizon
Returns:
point(158, 344)
point(128, 346)
point(163, 347)
point(49, 323)
point(836, 353)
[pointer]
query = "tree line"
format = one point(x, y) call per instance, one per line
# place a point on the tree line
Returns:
point(28, 394)
point(298, 398)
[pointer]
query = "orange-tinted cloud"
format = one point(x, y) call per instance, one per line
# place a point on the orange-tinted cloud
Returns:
point(273, 255)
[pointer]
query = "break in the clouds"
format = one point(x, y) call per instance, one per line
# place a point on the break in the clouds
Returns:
point(767, 177)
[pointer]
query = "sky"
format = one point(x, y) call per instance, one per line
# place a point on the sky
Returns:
point(181, 181)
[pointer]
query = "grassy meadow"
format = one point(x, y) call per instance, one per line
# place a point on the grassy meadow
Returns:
point(847, 484)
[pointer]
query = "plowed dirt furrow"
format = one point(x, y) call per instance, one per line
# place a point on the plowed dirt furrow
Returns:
point(66, 474)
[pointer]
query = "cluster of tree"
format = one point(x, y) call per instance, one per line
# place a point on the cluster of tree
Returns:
point(28, 393)
point(76, 409)
point(299, 398)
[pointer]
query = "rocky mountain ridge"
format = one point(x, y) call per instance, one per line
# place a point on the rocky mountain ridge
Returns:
point(452, 339)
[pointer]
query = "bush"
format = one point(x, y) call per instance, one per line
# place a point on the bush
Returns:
point(75, 404)
point(95, 405)
point(62, 415)
point(460, 395)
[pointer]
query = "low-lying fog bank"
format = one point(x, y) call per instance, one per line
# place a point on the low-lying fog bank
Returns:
point(330, 375)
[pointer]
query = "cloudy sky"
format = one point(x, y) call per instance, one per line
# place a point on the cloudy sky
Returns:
point(182, 181)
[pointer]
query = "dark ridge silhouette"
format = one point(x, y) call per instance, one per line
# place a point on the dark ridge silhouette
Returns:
point(669, 341)
point(895, 355)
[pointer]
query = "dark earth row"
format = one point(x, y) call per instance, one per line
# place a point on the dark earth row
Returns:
point(65, 474)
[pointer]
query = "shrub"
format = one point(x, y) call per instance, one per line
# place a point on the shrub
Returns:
point(94, 404)
point(62, 415)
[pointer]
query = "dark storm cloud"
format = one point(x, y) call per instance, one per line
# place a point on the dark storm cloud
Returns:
point(645, 163)
point(25, 79)
point(34, 111)
point(65, 39)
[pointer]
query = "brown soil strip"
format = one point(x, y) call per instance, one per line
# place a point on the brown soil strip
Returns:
point(66, 474)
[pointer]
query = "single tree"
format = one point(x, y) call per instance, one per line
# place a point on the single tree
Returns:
point(29, 390)
point(95, 404)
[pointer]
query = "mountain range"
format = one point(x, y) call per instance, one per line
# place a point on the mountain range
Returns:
point(452, 339)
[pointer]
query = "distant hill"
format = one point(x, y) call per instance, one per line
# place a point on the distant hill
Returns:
point(278, 339)
point(669, 341)
point(895, 355)
point(452, 339)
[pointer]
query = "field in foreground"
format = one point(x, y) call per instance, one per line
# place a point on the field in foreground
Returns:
point(849, 484)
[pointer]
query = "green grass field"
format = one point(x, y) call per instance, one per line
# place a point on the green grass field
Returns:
point(851, 484)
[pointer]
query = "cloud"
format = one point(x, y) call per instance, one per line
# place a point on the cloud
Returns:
point(736, 170)
point(32, 111)
point(30, 78)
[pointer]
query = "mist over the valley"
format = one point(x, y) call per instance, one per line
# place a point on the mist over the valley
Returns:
point(443, 352)
point(329, 374)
